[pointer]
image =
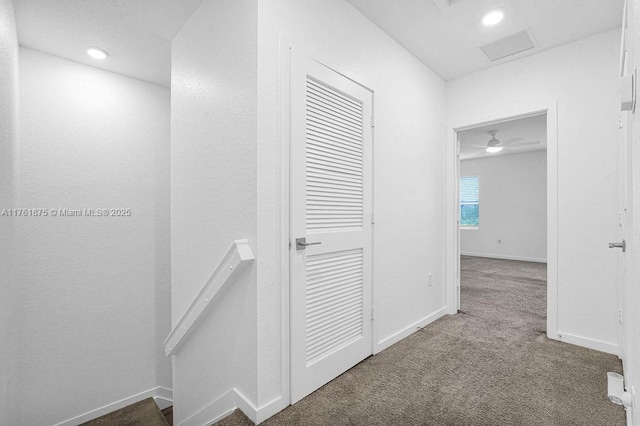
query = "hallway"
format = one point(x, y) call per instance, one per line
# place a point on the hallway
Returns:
point(489, 365)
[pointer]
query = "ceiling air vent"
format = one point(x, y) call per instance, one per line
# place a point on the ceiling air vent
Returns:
point(510, 45)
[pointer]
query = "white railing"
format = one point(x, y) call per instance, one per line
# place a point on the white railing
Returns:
point(234, 261)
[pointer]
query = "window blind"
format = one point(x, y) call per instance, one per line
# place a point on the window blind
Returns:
point(469, 202)
point(469, 190)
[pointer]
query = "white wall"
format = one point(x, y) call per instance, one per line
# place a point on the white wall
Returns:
point(582, 78)
point(92, 292)
point(8, 181)
point(409, 169)
point(513, 207)
point(213, 184)
point(225, 59)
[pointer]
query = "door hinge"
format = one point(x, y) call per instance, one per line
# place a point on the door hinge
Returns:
point(289, 244)
point(373, 122)
point(620, 316)
point(373, 317)
point(620, 125)
point(373, 219)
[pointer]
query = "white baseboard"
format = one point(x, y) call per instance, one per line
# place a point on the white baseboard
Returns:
point(215, 411)
point(246, 406)
point(227, 403)
point(396, 337)
point(271, 408)
point(163, 397)
point(598, 345)
point(262, 413)
point(504, 256)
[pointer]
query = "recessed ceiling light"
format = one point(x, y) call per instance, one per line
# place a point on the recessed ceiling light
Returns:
point(493, 17)
point(97, 53)
point(494, 149)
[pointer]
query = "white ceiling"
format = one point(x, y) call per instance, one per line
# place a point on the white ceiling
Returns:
point(522, 130)
point(136, 33)
point(447, 37)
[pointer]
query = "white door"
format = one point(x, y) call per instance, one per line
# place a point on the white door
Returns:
point(624, 218)
point(625, 198)
point(331, 208)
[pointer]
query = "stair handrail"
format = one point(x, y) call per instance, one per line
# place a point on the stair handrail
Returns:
point(235, 260)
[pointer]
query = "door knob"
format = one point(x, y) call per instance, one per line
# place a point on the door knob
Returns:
point(622, 245)
point(301, 243)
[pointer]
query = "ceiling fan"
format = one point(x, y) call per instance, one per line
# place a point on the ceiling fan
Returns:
point(494, 145)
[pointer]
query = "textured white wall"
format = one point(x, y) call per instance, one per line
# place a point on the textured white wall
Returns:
point(513, 207)
point(409, 192)
point(8, 181)
point(93, 293)
point(213, 184)
point(582, 78)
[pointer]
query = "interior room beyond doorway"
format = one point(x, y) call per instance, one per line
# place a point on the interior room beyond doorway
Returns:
point(503, 218)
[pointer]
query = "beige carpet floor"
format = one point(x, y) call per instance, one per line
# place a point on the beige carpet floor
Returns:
point(143, 413)
point(491, 364)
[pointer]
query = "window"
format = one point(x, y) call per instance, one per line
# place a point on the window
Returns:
point(469, 202)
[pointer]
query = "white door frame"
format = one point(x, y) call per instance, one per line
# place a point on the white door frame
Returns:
point(287, 46)
point(453, 173)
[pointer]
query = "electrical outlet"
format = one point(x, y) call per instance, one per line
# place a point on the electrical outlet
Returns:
point(429, 279)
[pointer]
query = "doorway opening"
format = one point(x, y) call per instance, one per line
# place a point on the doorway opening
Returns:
point(503, 221)
point(502, 215)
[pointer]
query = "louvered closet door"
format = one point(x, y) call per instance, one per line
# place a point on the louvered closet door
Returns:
point(331, 195)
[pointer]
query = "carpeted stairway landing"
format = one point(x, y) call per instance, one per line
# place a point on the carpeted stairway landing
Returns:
point(143, 413)
point(489, 365)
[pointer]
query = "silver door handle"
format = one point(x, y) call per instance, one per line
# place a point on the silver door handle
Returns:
point(301, 243)
point(622, 245)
